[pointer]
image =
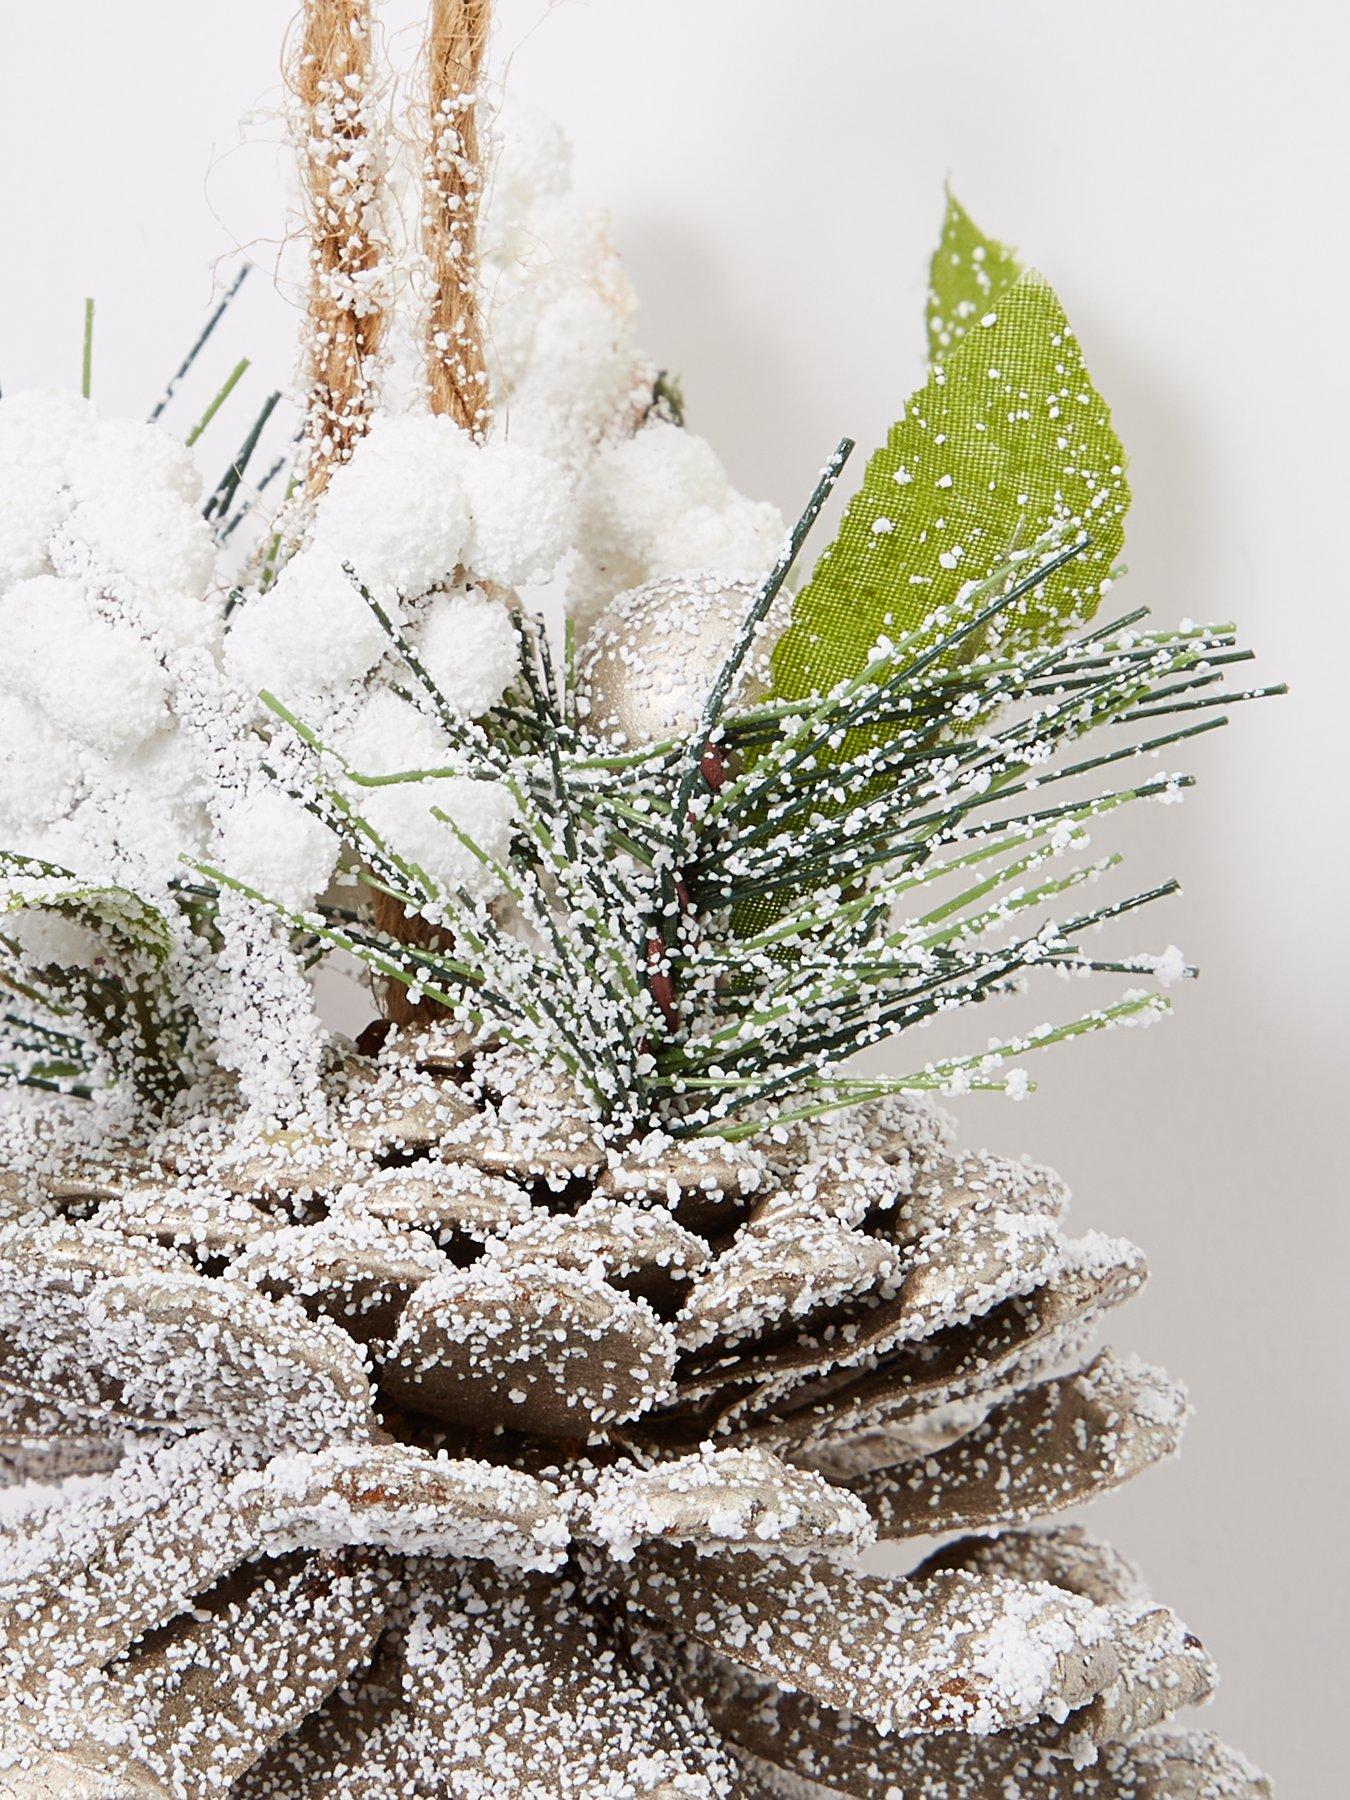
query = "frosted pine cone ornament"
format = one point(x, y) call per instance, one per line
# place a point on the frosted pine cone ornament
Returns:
point(465, 1441)
point(539, 1395)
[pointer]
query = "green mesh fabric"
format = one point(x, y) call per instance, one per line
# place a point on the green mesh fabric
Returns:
point(968, 273)
point(1007, 442)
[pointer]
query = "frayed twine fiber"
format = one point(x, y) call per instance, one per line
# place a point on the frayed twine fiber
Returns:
point(342, 174)
point(452, 186)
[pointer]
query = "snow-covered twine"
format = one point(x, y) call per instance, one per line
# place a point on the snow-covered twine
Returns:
point(342, 169)
point(456, 372)
point(452, 186)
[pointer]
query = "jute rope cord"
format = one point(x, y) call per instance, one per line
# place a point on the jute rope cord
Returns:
point(342, 171)
point(452, 184)
point(456, 371)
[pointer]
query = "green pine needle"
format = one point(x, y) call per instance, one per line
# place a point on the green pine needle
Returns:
point(899, 820)
point(231, 381)
point(87, 359)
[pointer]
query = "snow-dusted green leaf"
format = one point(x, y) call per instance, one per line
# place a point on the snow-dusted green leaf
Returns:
point(1007, 444)
point(96, 988)
point(102, 907)
point(967, 274)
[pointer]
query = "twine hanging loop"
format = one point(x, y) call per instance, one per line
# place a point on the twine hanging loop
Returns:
point(343, 172)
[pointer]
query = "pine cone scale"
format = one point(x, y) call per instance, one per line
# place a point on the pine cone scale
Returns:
point(448, 1390)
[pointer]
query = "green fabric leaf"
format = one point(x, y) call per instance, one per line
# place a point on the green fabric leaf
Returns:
point(968, 273)
point(109, 908)
point(122, 1008)
point(1007, 443)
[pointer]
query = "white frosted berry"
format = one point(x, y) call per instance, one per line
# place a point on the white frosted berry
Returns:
point(311, 632)
point(581, 366)
point(741, 536)
point(32, 504)
point(271, 843)
point(470, 648)
point(637, 488)
point(533, 163)
point(40, 770)
point(102, 684)
point(398, 511)
point(523, 513)
point(38, 427)
point(389, 736)
point(121, 456)
point(150, 550)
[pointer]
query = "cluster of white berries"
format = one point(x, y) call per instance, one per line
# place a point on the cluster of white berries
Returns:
point(654, 500)
point(563, 362)
point(659, 504)
point(109, 607)
point(131, 730)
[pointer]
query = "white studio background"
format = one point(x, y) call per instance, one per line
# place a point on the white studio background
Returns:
point(774, 170)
